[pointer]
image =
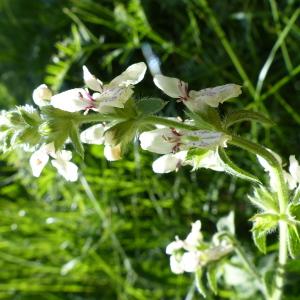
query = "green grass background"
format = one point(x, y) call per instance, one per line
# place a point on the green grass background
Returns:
point(104, 237)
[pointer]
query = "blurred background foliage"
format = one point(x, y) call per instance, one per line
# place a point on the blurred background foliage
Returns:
point(104, 237)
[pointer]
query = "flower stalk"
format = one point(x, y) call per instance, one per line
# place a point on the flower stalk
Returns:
point(282, 195)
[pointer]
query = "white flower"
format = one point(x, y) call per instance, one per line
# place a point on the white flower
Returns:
point(112, 97)
point(169, 162)
point(269, 169)
point(73, 100)
point(196, 100)
point(174, 246)
point(161, 140)
point(114, 94)
point(40, 158)
point(112, 153)
point(293, 177)
point(42, 95)
point(93, 135)
point(176, 264)
point(131, 76)
point(63, 165)
point(61, 162)
point(209, 160)
point(190, 261)
point(169, 140)
point(184, 255)
point(194, 238)
point(96, 135)
point(119, 90)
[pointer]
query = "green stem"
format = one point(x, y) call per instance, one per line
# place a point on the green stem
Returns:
point(282, 194)
point(94, 118)
point(167, 122)
point(255, 149)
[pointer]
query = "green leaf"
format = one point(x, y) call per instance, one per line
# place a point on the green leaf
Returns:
point(54, 113)
point(74, 136)
point(293, 241)
point(263, 224)
point(227, 223)
point(266, 222)
point(233, 169)
point(122, 132)
point(294, 210)
point(199, 121)
point(259, 239)
point(149, 106)
point(199, 282)
point(56, 130)
point(31, 118)
point(245, 115)
point(264, 200)
point(211, 275)
point(28, 135)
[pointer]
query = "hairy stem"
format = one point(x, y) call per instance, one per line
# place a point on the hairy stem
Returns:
point(241, 253)
point(282, 194)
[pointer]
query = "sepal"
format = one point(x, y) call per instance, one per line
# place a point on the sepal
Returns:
point(233, 169)
point(148, 106)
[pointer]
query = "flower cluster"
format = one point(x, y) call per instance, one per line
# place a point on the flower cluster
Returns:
point(61, 161)
point(104, 98)
point(193, 253)
point(50, 129)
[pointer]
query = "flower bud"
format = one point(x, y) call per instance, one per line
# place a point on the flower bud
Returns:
point(93, 135)
point(112, 153)
point(42, 95)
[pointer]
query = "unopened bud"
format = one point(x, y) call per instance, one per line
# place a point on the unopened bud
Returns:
point(112, 153)
point(42, 95)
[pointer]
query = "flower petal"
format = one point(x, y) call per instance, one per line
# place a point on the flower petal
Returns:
point(38, 161)
point(169, 162)
point(294, 168)
point(219, 94)
point(174, 246)
point(175, 264)
point(112, 97)
point(71, 100)
point(157, 140)
point(67, 169)
point(93, 135)
point(171, 86)
point(132, 75)
point(91, 81)
point(190, 261)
